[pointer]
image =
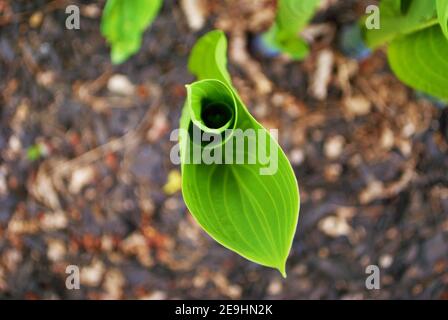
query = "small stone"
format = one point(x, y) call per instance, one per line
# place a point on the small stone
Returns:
point(357, 105)
point(405, 147)
point(36, 19)
point(136, 244)
point(107, 243)
point(56, 250)
point(91, 11)
point(278, 99)
point(54, 221)
point(14, 144)
point(275, 287)
point(46, 78)
point(121, 85)
point(80, 178)
point(195, 12)
point(114, 282)
point(334, 226)
point(387, 139)
point(322, 75)
point(297, 156)
point(334, 146)
point(92, 275)
point(373, 191)
point(408, 130)
point(386, 261)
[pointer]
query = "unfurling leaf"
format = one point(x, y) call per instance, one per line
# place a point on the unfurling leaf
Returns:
point(248, 204)
point(292, 16)
point(123, 23)
point(420, 61)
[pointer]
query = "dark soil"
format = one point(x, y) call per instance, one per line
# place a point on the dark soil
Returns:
point(83, 170)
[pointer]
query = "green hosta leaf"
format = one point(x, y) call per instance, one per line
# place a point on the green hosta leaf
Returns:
point(442, 12)
point(251, 207)
point(292, 45)
point(401, 17)
point(292, 16)
point(208, 58)
point(34, 152)
point(123, 24)
point(405, 5)
point(420, 61)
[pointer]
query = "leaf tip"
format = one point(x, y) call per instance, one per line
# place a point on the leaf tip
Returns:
point(282, 270)
point(117, 57)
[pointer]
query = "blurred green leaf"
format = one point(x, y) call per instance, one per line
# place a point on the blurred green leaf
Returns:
point(420, 60)
point(400, 17)
point(123, 23)
point(292, 16)
point(442, 12)
point(34, 152)
point(250, 213)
